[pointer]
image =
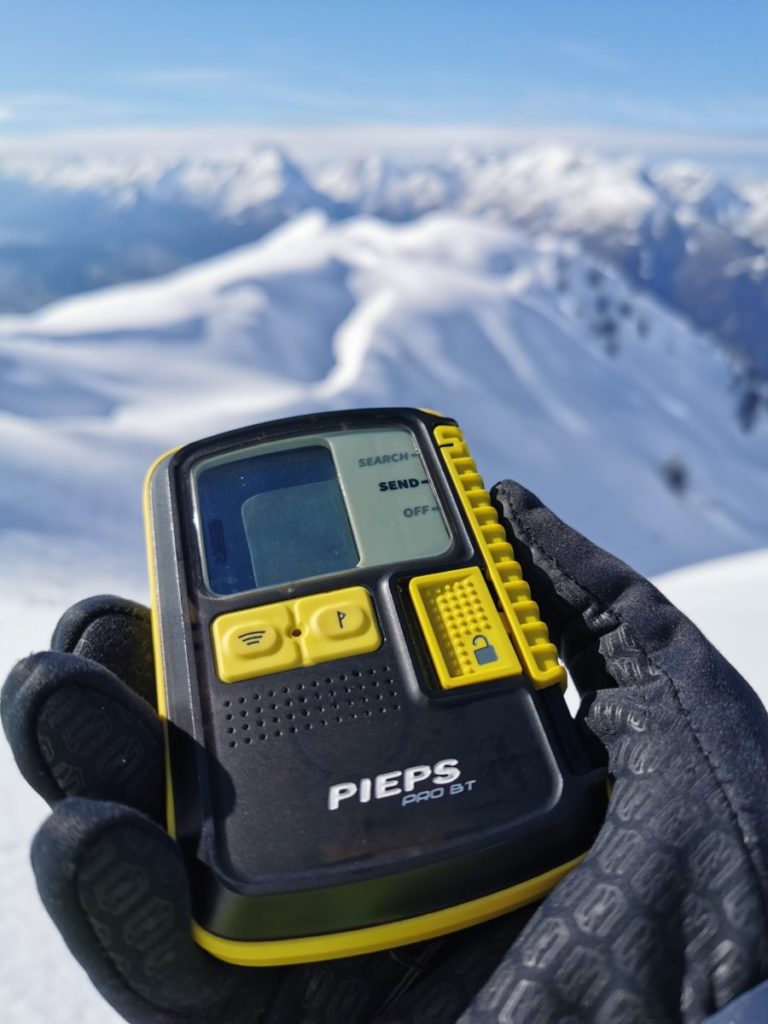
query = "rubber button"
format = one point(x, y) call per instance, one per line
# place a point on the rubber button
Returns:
point(337, 625)
point(306, 631)
point(254, 642)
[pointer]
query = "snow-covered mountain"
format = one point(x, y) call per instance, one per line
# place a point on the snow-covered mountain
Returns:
point(619, 415)
point(698, 243)
point(74, 225)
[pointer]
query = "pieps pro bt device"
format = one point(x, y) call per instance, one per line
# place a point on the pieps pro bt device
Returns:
point(367, 741)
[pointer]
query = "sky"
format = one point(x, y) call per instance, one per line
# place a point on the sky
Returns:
point(688, 66)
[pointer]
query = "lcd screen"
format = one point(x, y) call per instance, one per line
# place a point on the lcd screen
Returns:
point(294, 509)
point(273, 518)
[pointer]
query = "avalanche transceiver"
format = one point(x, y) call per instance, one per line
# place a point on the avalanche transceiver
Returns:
point(367, 743)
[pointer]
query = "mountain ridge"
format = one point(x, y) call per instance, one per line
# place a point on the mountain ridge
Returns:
point(696, 242)
point(561, 374)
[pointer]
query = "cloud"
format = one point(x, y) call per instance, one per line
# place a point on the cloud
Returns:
point(417, 141)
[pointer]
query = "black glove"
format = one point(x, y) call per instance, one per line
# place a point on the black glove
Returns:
point(667, 919)
point(664, 921)
point(82, 724)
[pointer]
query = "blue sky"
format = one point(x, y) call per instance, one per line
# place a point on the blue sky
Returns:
point(676, 66)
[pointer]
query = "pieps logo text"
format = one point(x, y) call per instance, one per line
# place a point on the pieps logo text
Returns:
point(413, 785)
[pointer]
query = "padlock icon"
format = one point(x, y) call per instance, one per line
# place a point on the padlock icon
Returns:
point(484, 650)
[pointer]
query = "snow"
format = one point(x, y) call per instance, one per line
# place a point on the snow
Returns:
point(673, 229)
point(265, 176)
point(726, 599)
point(560, 374)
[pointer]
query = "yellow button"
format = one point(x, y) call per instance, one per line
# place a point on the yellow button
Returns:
point(337, 625)
point(306, 631)
point(255, 642)
point(463, 629)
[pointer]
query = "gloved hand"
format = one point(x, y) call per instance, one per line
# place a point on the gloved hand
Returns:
point(83, 728)
point(666, 920)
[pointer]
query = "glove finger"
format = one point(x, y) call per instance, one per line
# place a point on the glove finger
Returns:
point(117, 634)
point(613, 627)
point(115, 885)
point(76, 730)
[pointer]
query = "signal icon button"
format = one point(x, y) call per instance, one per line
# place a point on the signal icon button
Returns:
point(254, 642)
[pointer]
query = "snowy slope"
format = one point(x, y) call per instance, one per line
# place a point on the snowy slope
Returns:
point(559, 373)
point(675, 230)
point(630, 423)
point(697, 242)
point(726, 598)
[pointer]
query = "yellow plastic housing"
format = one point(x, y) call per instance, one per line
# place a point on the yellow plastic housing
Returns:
point(382, 936)
point(528, 633)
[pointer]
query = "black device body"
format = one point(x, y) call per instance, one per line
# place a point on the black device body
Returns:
point(299, 796)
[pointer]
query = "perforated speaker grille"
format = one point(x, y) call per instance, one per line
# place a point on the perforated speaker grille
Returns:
point(261, 712)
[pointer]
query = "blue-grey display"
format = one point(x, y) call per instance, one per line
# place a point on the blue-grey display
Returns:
point(295, 509)
point(272, 518)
